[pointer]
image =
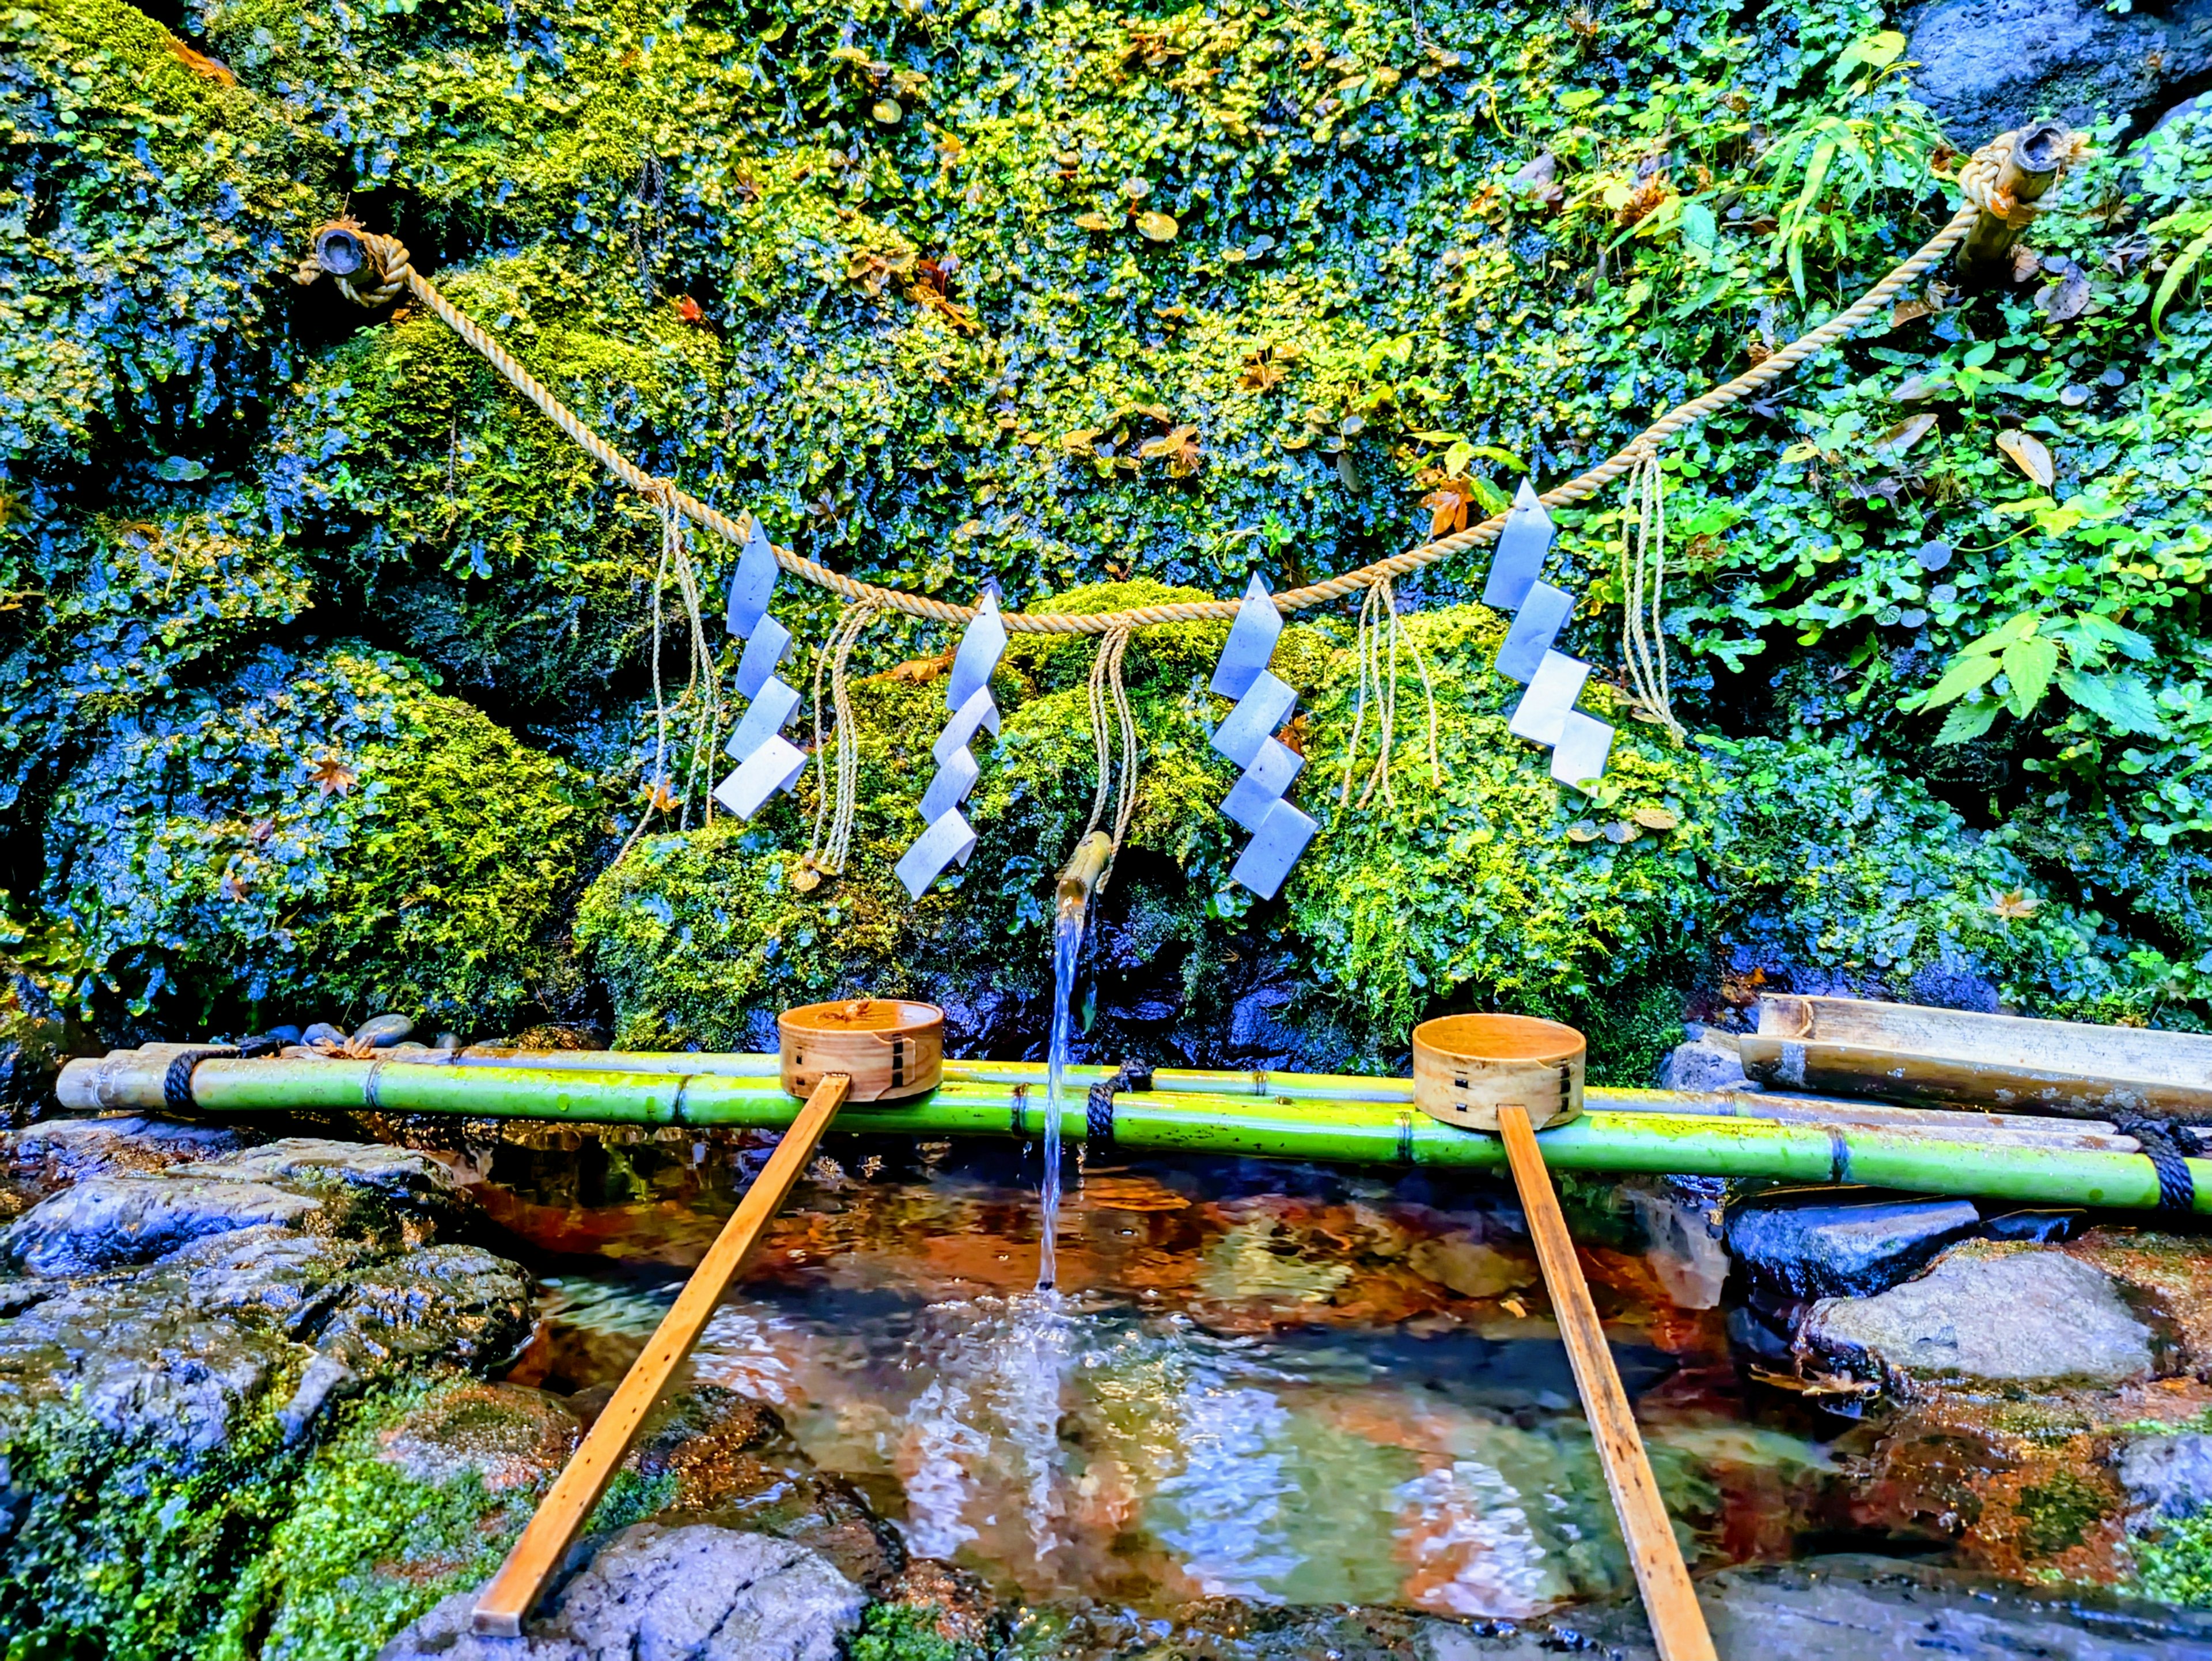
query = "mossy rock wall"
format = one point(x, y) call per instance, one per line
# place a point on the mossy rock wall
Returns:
point(1094, 300)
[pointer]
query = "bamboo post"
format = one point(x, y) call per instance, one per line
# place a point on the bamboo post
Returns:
point(1678, 1625)
point(2037, 153)
point(545, 1541)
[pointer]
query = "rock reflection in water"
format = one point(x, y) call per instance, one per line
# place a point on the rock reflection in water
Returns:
point(1282, 1408)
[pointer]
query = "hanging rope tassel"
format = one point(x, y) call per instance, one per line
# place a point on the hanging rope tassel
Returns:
point(834, 801)
point(675, 555)
point(1383, 636)
point(1644, 588)
point(1110, 712)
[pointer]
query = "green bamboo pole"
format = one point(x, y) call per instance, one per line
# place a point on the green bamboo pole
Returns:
point(1379, 1133)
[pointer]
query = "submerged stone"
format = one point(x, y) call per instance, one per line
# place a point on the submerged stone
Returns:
point(1863, 1609)
point(2168, 1477)
point(1799, 1242)
point(1987, 1314)
point(700, 1592)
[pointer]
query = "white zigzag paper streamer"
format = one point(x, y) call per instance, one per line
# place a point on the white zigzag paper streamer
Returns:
point(1547, 714)
point(1246, 735)
point(946, 837)
point(767, 761)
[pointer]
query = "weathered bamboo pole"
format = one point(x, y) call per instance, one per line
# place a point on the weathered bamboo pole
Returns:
point(1670, 1602)
point(1646, 1139)
point(2037, 153)
point(553, 1527)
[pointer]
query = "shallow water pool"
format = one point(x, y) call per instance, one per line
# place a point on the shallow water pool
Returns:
point(1276, 1384)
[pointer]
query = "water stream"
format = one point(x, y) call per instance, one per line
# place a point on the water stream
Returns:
point(1066, 947)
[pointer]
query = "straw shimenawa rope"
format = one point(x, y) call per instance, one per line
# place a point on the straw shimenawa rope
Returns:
point(837, 798)
point(391, 262)
point(1643, 591)
point(1109, 695)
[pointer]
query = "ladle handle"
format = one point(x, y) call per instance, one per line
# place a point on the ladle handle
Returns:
point(1677, 1623)
point(537, 1553)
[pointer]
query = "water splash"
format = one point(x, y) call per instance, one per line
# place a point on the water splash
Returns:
point(1066, 947)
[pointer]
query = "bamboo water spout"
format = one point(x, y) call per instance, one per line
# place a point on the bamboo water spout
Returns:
point(1080, 879)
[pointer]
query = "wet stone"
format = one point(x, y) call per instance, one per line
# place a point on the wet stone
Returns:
point(1811, 1246)
point(165, 1302)
point(2168, 1477)
point(1860, 1608)
point(508, 1436)
point(700, 1592)
point(108, 1221)
point(43, 1158)
point(1987, 1314)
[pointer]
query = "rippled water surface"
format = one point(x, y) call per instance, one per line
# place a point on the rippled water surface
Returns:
point(1274, 1383)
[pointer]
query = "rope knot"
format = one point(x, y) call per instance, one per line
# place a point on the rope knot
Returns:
point(1979, 177)
point(369, 270)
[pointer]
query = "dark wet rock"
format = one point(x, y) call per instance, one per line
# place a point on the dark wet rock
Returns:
point(137, 1215)
point(1986, 1314)
point(166, 1300)
point(735, 1465)
point(2035, 1227)
point(1985, 66)
point(322, 1032)
point(438, 1303)
point(398, 1173)
point(506, 1435)
point(697, 1592)
point(40, 1158)
point(1703, 1063)
point(1862, 1609)
point(107, 1221)
point(1811, 1244)
point(2168, 1477)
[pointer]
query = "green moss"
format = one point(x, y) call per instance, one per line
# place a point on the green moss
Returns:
point(148, 219)
point(495, 548)
point(1487, 884)
point(319, 833)
point(2175, 1564)
point(899, 1632)
point(2058, 1515)
point(362, 1548)
point(1833, 865)
point(121, 1542)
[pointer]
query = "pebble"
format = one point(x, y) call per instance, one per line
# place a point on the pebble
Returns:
point(322, 1032)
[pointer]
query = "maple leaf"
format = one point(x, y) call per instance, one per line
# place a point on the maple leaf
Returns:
point(1447, 506)
point(332, 777)
point(2017, 903)
point(235, 888)
point(663, 798)
point(688, 309)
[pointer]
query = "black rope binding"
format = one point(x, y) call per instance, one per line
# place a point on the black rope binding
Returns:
point(177, 1081)
point(2168, 1147)
point(1098, 1106)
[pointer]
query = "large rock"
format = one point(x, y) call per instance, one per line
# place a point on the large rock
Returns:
point(163, 1299)
point(1862, 1608)
point(1988, 65)
point(139, 1214)
point(2168, 1475)
point(55, 1152)
point(1986, 1314)
point(1810, 1245)
point(696, 1593)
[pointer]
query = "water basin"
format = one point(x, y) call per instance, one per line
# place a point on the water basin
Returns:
point(1271, 1383)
